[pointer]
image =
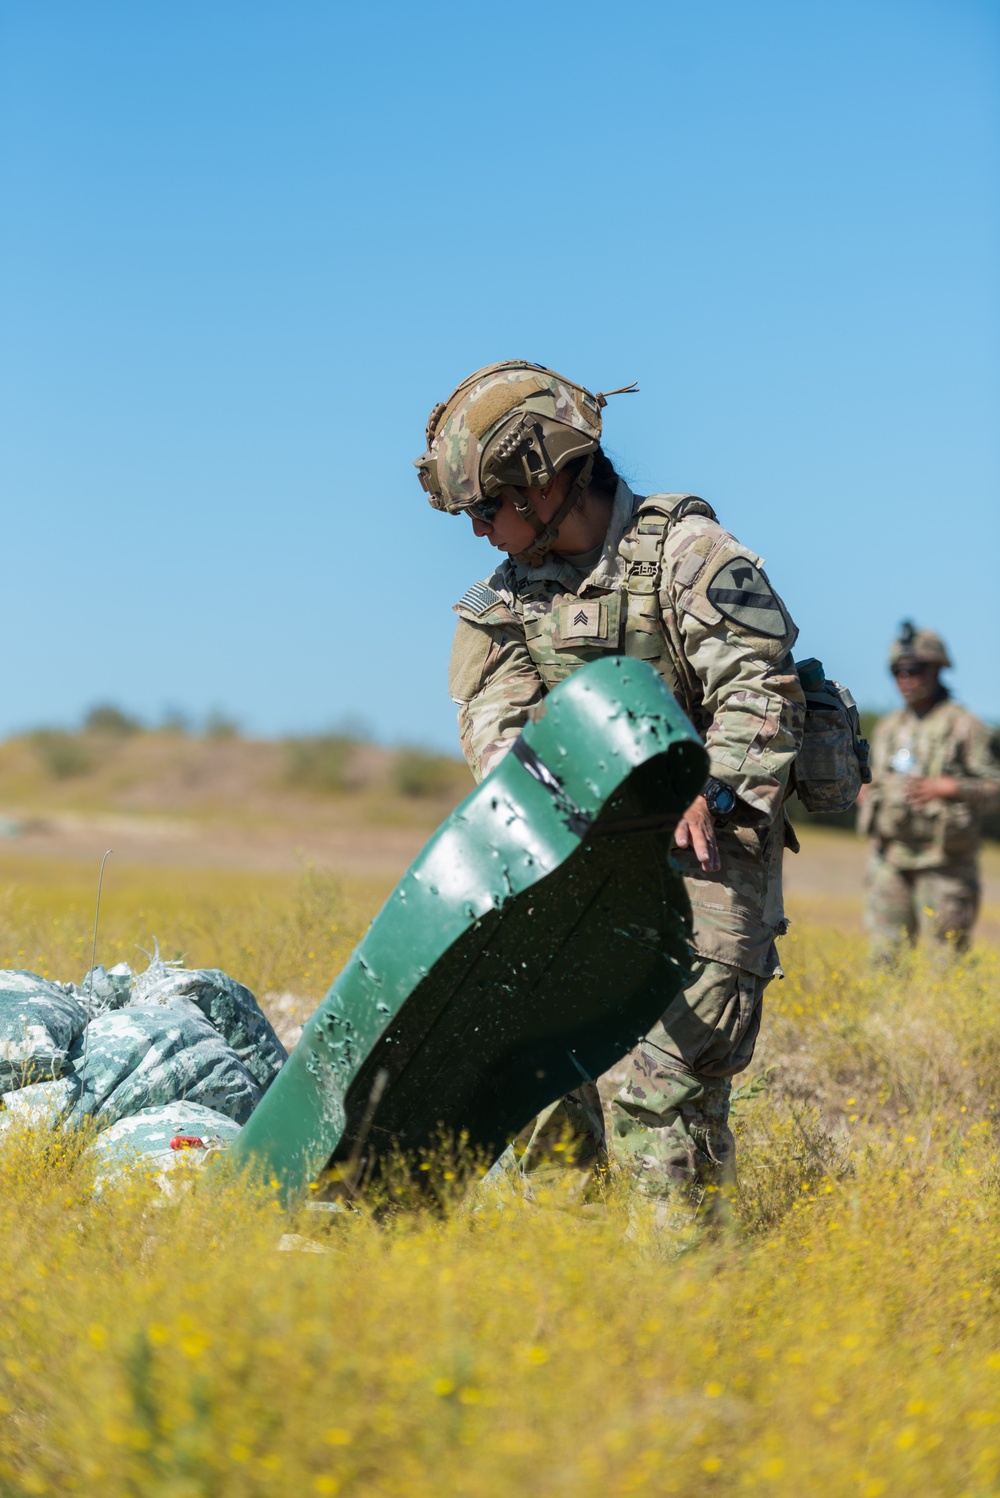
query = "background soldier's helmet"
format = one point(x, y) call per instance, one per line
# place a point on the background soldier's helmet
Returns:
point(918, 645)
point(513, 424)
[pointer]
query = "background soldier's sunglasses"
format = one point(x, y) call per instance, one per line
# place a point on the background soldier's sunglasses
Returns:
point(486, 509)
point(920, 669)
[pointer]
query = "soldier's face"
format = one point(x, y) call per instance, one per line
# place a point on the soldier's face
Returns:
point(917, 681)
point(508, 531)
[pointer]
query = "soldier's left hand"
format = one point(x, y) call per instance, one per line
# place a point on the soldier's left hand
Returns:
point(922, 789)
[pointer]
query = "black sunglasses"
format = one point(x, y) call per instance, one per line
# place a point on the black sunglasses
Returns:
point(486, 510)
point(918, 670)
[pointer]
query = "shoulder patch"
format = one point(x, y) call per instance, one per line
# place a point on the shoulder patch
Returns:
point(742, 593)
point(479, 599)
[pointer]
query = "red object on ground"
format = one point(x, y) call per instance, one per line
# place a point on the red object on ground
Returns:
point(188, 1142)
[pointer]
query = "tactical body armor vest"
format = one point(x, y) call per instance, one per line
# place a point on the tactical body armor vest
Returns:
point(659, 592)
point(907, 745)
point(564, 629)
point(651, 632)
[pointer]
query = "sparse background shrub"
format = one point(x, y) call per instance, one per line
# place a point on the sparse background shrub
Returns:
point(106, 718)
point(221, 727)
point(62, 754)
point(418, 772)
point(319, 763)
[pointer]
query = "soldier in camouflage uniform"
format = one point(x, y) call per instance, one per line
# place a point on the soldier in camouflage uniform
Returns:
point(934, 778)
point(592, 568)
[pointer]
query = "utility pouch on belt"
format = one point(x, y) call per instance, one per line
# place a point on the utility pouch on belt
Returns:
point(833, 763)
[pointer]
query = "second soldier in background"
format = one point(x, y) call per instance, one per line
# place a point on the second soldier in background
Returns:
point(935, 776)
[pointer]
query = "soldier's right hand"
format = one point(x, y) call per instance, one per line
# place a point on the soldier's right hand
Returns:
point(696, 830)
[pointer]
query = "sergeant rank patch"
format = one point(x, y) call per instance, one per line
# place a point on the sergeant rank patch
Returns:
point(743, 594)
point(479, 598)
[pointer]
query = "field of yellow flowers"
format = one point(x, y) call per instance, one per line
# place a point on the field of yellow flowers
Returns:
point(841, 1338)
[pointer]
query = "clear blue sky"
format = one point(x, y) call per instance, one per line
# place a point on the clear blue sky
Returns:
point(245, 246)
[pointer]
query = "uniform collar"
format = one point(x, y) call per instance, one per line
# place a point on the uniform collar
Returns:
point(609, 571)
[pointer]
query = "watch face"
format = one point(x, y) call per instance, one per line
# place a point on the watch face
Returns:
point(723, 800)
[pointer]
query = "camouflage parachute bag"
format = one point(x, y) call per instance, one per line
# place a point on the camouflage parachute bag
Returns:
point(834, 761)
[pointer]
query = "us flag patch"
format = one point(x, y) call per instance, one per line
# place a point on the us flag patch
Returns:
point(479, 599)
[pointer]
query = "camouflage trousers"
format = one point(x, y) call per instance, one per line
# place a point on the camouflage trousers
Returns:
point(564, 1148)
point(670, 1117)
point(902, 904)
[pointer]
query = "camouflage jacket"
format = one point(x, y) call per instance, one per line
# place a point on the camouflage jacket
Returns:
point(948, 740)
point(673, 587)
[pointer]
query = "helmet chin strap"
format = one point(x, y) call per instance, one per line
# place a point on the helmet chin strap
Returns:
point(546, 532)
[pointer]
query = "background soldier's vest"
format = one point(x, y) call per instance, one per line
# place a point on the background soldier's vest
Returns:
point(948, 828)
point(564, 630)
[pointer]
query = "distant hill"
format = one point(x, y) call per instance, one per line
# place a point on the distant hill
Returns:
point(221, 779)
point(225, 778)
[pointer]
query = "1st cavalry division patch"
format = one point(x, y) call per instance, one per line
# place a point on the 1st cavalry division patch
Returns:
point(743, 594)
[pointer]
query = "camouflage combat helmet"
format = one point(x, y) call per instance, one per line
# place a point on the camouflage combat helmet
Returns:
point(508, 427)
point(918, 645)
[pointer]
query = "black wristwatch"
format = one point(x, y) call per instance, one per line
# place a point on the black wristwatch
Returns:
point(721, 799)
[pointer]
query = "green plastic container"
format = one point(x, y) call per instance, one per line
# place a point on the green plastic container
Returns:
point(537, 935)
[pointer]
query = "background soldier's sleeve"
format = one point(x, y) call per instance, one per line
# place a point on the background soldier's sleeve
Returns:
point(737, 638)
point(980, 785)
point(493, 679)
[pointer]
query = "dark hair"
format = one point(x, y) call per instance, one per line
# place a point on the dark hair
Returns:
point(604, 479)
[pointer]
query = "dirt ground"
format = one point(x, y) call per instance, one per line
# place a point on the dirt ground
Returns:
point(369, 852)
